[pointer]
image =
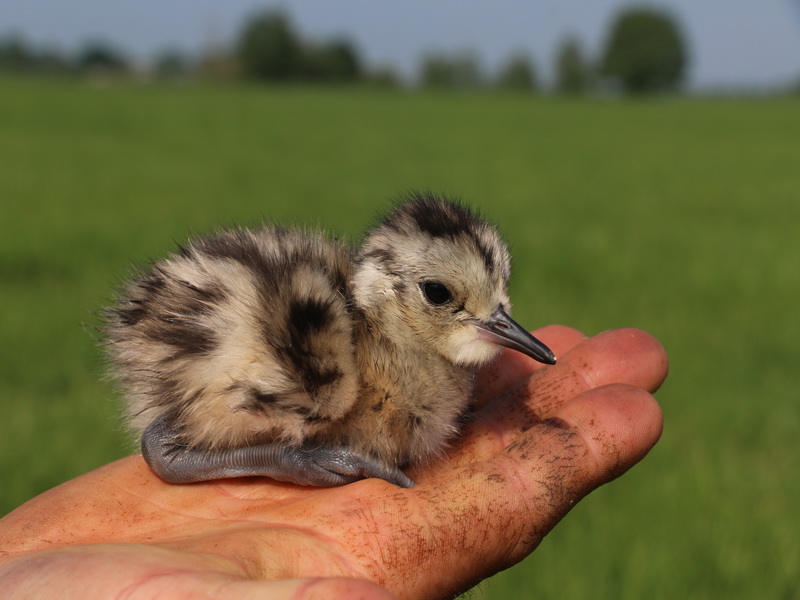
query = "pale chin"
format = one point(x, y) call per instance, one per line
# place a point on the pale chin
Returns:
point(476, 353)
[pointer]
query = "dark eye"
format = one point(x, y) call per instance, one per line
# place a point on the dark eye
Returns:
point(436, 293)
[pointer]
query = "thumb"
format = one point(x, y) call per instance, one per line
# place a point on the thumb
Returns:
point(302, 589)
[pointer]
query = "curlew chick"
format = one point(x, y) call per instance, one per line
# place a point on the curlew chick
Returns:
point(290, 355)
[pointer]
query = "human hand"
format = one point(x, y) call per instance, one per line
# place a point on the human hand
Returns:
point(544, 438)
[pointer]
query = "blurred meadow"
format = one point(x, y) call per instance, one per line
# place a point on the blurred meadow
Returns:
point(679, 216)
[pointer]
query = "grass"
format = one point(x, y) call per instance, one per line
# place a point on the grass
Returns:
point(677, 216)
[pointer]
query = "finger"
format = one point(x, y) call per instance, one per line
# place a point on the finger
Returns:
point(589, 441)
point(106, 570)
point(496, 512)
point(628, 356)
point(511, 367)
point(346, 589)
point(190, 585)
point(302, 589)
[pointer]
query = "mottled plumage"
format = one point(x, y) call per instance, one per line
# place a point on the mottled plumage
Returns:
point(286, 339)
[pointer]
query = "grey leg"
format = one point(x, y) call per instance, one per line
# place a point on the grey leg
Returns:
point(304, 465)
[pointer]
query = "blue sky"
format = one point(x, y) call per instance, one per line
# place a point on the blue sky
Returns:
point(733, 43)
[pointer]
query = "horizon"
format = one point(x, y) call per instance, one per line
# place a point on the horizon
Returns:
point(733, 45)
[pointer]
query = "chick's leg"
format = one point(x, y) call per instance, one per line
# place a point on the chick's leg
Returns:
point(304, 465)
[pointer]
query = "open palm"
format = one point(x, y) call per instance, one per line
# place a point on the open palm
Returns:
point(543, 438)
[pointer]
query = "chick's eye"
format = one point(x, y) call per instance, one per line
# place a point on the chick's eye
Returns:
point(436, 293)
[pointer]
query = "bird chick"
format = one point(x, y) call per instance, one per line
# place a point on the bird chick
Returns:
point(291, 355)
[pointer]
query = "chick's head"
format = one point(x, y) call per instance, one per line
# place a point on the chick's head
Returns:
point(430, 273)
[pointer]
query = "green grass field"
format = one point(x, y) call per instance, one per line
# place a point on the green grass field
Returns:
point(677, 216)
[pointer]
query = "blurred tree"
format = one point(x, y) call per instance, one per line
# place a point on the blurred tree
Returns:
point(14, 53)
point(53, 62)
point(19, 56)
point(572, 71)
point(518, 73)
point(435, 71)
point(98, 56)
point(219, 64)
point(334, 62)
point(460, 71)
point(171, 63)
point(268, 48)
point(645, 51)
point(383, 76)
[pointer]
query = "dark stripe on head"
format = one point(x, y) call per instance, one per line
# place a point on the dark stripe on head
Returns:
point(383, 256)
point(440, 218)
point(488, 255)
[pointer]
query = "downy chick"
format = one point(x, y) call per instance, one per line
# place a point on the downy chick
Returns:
point(288, 354)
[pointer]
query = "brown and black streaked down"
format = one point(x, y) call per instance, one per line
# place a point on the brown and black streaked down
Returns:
point(289, 354)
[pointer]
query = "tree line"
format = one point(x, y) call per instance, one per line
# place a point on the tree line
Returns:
point(644, 52)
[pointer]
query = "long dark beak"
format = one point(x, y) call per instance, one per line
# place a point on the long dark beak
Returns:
point(505, 331)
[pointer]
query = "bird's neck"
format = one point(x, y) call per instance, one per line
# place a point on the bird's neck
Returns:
point(384, 324)
point(395, 362)
point(413, 396)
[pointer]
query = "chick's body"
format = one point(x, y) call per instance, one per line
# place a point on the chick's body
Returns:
point(242, 337)
point(278, 337)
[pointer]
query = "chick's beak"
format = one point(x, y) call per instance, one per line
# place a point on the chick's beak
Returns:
point(503, 330)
